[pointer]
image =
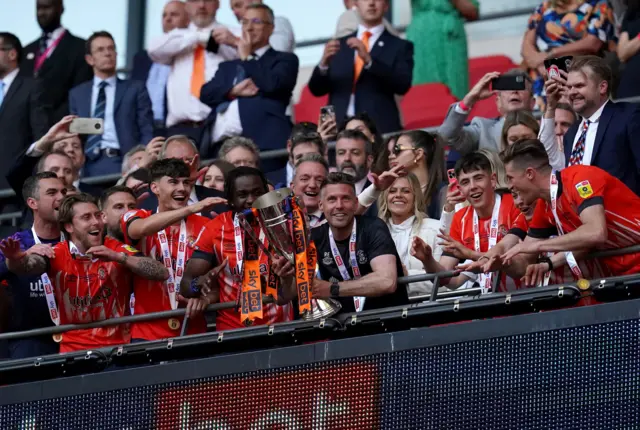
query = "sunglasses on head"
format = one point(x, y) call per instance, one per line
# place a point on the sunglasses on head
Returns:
point(397, 149)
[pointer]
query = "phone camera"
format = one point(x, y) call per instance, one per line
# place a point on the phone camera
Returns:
point(97, 126)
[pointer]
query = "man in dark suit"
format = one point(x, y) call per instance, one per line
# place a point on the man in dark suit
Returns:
point(369, 79)
point(608, 133)
point(249, 97)
point(56, 59)
point(23, 118)
point(155, 75)
point(124, 106)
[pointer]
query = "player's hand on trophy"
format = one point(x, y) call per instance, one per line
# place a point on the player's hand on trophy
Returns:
point(282, 267)
point(321, 289)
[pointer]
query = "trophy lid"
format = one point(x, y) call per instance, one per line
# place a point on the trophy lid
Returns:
point(272, 198)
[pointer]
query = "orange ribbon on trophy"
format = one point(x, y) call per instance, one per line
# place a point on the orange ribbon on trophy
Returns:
point(305, 256)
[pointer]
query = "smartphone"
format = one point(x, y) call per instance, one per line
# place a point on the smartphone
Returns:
point(554, 65)
point(508, 83)
point(451, 174)
point(87, 126)
point(327, 113)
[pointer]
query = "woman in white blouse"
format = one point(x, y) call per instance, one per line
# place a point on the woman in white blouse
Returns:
point(399, 208)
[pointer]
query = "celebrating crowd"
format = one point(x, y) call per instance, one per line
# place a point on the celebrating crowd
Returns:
point(526, 205)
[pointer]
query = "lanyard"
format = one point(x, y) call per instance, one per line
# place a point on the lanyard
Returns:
point(173, 281)
point(48, 286)
point(485, 278)
point(40, 58)
point(357, 301)
point(571, 260)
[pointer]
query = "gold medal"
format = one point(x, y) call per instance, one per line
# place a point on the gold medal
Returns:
point(57, 337)
point(583, 284)
point(174, 324)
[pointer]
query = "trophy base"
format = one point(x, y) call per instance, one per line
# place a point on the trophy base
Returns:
point(322, 308)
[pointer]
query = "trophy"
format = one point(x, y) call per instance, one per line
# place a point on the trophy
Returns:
point(282, 218)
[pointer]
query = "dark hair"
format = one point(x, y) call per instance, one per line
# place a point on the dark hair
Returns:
point(597, 66)
point(568, 108)
point(46, 155)
point(312, 137)
point(171, 167)
point(31, 186)
point(434, 158)
point(96, 35)
point(357, 135)
point(337, 178)
point(11, 41)
point(261, 6)
point(303, 127)
point(365, 118)
point(224, 166)
point(239, 172)
point(65, 212)
point(527, 153)
point(113, 190)
point(141, 174)
point(473, 161)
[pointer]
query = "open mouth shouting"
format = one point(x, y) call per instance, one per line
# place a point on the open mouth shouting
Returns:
point(180, 197)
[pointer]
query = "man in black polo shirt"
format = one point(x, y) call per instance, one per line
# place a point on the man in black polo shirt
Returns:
point(358, 261)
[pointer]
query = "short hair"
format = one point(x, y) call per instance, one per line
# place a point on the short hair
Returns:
point(312, 158)
point(238, 142)
point(527, 153)
point(65, 212)
point(95, 36)
point(306, 138)
point(473, 161)
point(262, 6)
point(43, 159)
point(303, 127)
point(224, 166)
point(129, 154)
point(596, 66)
point(171, 167)
point(141, 174)
point(31, 186)
point(11, 41)
point(518, 117)
point(357, 135)
point(568, 108)
point(497, 167)
point(177, 138)
point(338, 178)
point(114, 190)
point(366, 120)
point(240, 172)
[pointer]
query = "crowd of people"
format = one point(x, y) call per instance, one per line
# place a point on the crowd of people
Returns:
point(525, 206)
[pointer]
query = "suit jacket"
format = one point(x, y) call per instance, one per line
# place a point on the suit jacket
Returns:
point(63, 70)
point(132, 111)
point(141, 65)
point(480, 133)
point(263, 116)
point(616, 147)
point(390, 73)
point(23, 120)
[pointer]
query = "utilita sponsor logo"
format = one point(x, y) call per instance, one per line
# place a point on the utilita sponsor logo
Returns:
point(338, 397)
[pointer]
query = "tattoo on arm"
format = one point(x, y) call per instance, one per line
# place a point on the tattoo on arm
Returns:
point(31, 265)
point(147, 268)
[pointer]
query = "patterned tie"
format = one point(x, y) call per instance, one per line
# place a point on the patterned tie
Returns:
point(92, 147)
point(197, 77)
point(359, 65)
point(578, 151)
point(44, 39)
point(1, 92)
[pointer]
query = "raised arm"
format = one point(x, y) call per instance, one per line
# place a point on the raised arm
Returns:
point(163, 49)
point(627, 47)
point(32, 262)
point(146, 267)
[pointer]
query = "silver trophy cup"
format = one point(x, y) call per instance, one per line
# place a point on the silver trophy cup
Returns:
point(276, 222)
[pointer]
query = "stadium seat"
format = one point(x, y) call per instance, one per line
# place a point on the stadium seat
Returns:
point(426, 105)
point(480, 66)
point(485, 108)
point(308, 108)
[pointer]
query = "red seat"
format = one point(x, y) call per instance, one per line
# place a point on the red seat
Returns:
point(480, 66)
point(426, 105)
point(308, 108)
point(486, 108)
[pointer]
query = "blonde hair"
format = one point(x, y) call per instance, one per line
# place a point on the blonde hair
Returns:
point(497, 167)
point(418, 200)
point(517, 117)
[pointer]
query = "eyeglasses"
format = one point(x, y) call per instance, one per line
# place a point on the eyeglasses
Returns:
point(254, 21)
point(397, 149)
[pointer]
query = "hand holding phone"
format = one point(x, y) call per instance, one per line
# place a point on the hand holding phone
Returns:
point(453, 181)
point(554, 65)
point(87, 126)
point(327, 126)
point(508, 83)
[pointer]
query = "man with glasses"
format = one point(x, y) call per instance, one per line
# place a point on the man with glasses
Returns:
point(124, 106)
point(250, 95)
point(282, 39)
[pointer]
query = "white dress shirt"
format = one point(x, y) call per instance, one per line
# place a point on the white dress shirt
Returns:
point(228, 123)
point(547, 136)
point(8, 80)
point(53, 36)
point(591, 135)
point(360, 185)
point(375, 35)
point(110, 136)
point(282, 39)
point(290, 171)
point(176, 48)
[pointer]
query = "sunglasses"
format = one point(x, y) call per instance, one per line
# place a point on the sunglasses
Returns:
point(397, 149)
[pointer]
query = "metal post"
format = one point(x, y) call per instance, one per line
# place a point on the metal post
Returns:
point(136, 24)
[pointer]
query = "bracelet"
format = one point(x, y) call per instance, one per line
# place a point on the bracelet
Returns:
point(124, 257)
point(463, 106)
point(195, 288)
point(544, 259)
point(483, 256)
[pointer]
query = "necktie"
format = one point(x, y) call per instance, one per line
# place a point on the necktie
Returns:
point(359, 65)
point(1, 92)
point(92, 147)
point(44, 39)
point(241, 75)
point(578, 151)
point(197, 77)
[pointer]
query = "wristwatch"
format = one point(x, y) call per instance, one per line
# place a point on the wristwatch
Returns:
point(546, 260)
point(335, 289)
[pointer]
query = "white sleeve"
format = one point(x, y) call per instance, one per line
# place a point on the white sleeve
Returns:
point(446, 218)
point(282, 38)
point(547, 136)
point(163, 49)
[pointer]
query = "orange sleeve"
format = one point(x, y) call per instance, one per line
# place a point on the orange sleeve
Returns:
point(540, 227)
point(585, 187)
point(60, 260)
point(121, 247)
point(456, 226)
point(517, 222)
point(205, 241)
point(128, 218)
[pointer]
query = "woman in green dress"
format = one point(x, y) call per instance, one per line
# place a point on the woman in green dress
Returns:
point(440, 42)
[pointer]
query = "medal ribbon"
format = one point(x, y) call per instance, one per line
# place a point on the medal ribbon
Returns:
point(486, 278)
point(48, 286)
point(357, 301)
point(305, 257)
point(172, 283)
point(571, 260)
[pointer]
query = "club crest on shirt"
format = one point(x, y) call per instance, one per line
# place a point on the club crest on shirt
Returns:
point(130, 248)
point(327, 260)
point(584, 189)
point(191, 241)
point(102, 274)
point(362, 257)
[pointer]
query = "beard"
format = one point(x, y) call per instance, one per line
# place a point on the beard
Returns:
point(358, 171)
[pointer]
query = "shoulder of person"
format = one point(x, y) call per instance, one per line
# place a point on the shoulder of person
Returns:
point(428, 224)
point(318, 233)
point(371, 224)
point(81, 87)
point(198, 220)
point(136, 213)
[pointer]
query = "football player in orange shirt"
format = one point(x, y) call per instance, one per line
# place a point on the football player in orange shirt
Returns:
point(88, 276)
